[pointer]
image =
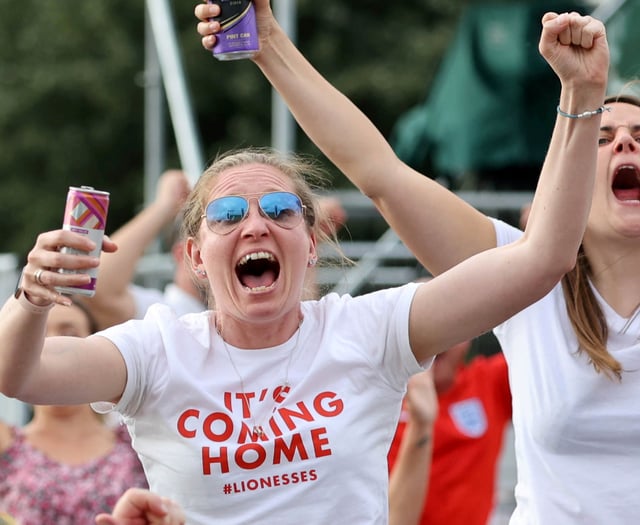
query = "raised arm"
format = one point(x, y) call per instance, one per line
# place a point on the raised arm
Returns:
point(437, 226)
point(482, 292)
point(55, 370)
point(113, 302)
point(409, 479)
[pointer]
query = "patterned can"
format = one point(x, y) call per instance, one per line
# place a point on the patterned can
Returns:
point(85, 213)
point(239, 35)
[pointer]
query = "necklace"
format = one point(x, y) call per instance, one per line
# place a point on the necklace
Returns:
point(256, 428)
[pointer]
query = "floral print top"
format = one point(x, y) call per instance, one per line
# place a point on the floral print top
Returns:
point(36, 490)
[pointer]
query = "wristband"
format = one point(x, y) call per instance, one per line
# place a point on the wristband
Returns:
point(20, 296)
point(585, 114)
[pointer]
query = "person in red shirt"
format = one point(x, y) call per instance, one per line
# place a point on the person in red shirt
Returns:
point(408, 481)
point(474, 410)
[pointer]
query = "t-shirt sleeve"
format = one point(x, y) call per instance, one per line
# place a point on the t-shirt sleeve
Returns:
point(505, 233)
point(142, 346)
point(378, 326)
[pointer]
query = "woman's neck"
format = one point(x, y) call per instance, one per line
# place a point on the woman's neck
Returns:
point(615, 273)
point(252, 335)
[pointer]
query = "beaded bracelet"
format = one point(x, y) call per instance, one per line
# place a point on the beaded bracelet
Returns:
point(585, 114)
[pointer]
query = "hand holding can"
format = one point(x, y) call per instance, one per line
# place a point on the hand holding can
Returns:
point(85, 213)
point(239, 35)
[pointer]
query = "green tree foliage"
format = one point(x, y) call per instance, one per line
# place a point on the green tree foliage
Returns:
point(70, 109)
point(72, 98)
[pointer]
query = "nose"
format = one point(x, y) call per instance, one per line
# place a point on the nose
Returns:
point(625, 142)
point(255, 223)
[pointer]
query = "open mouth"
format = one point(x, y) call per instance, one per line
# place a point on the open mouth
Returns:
point(626, 183)
point(258, 271)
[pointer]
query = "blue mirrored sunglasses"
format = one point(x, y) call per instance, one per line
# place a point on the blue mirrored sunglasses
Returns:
point(225, 213)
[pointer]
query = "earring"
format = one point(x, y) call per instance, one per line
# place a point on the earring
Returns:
point(201, 272)
point(313, 260)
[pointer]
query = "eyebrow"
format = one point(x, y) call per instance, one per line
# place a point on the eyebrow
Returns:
point(633, 129)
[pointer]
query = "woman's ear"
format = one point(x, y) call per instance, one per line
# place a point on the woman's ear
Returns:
point(313, 253)
point(192, 252)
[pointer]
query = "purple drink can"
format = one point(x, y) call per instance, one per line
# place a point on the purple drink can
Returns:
point(239, 35)
point(85, 213)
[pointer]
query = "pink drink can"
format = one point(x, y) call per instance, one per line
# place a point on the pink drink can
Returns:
point(239, 35)
point(85, 213)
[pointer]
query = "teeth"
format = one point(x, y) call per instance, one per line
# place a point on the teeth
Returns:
point(255, 256)
point(259, 288)
point(628, 167)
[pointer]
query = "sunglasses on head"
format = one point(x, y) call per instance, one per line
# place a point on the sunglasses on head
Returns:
point(225, 213)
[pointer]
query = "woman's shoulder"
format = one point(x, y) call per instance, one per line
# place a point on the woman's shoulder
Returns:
point(382, 294)
point(161, 321)
point(375, 307)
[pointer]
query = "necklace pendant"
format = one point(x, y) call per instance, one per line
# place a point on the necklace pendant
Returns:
point(257, 431)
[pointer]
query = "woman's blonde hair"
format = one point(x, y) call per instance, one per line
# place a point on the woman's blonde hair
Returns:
point(587, 318)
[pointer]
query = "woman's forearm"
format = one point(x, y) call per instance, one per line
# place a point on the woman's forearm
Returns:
point(409, 479)
point(22, 331)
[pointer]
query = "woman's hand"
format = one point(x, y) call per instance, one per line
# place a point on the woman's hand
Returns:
point(422, 399)
point(208, 28)
point(41, 274)
point(143, 507)
point(575, 46)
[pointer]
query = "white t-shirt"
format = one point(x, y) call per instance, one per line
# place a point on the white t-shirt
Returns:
point(577, 432)
point(323, 456)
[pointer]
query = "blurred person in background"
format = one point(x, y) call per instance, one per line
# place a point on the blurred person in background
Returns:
point(408, 481)
point(117, 298)
point(474, 409)
point(67, 464)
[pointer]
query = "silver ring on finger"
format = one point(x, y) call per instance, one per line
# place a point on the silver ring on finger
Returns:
point(38, 276)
